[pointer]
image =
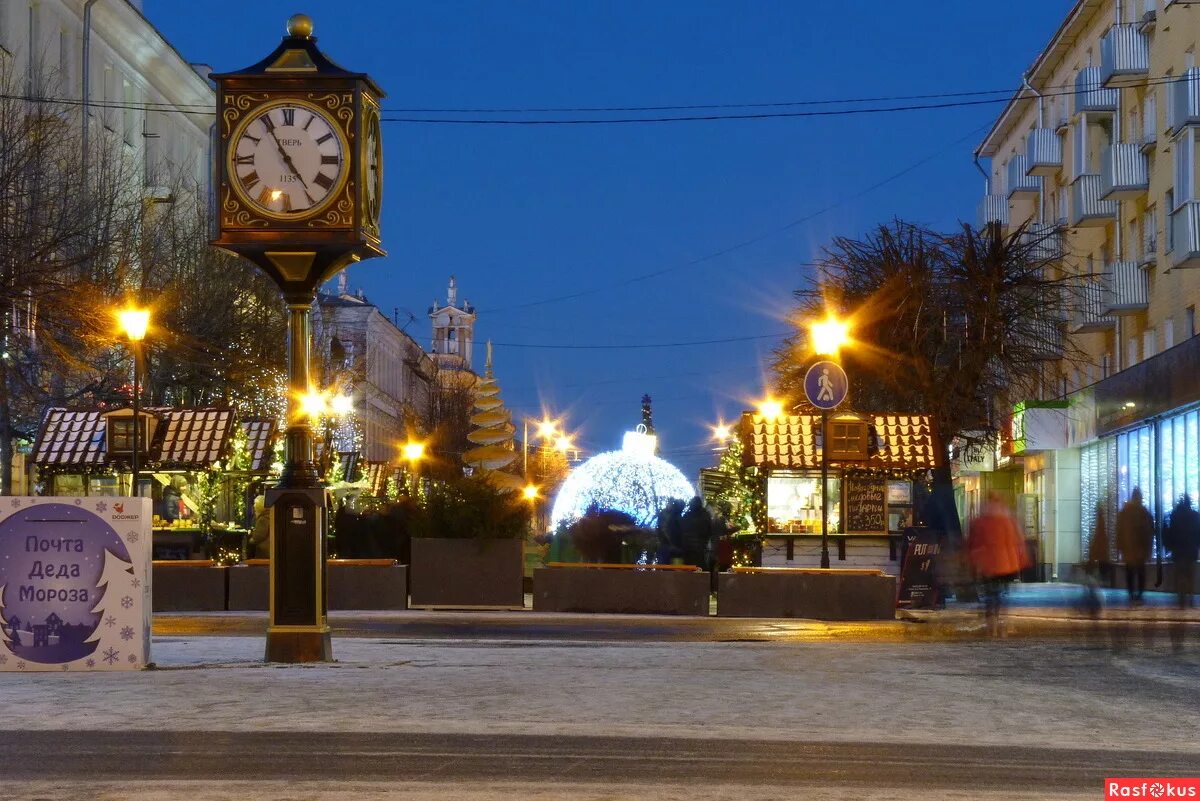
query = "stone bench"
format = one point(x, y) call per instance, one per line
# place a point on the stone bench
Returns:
point(628, 589)
point(806, 593)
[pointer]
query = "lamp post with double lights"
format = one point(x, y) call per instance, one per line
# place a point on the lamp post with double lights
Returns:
point(134, 322)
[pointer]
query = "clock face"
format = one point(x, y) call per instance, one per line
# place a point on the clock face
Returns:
point(374, 165)
point(288, 160)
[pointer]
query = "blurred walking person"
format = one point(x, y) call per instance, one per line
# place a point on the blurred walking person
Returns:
point(1099, 550)
point(997, 552)
point(1135, 531)
point(1182, 539)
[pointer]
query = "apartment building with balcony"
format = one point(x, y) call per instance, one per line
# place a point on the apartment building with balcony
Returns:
point(1096, 154)
point(104, 67)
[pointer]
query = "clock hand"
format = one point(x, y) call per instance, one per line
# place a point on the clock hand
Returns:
point(288, 161)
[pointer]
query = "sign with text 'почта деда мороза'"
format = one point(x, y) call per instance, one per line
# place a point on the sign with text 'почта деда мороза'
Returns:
point(74, 583)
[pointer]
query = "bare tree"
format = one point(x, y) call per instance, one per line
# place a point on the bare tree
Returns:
point(59, 268)
point(951, 326)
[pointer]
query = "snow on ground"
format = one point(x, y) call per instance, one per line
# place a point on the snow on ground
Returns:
point(997, 692)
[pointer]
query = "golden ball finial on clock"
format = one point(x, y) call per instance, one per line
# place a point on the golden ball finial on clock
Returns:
point(300, 26)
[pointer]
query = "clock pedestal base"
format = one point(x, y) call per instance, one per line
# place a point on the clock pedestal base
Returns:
point(296, 647)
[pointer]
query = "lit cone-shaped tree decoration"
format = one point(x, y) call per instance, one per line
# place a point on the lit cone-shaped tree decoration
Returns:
point(492, 432)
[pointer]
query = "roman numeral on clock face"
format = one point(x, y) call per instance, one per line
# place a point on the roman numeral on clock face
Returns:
point(322, 140)
point(328, 159)
point(264, 197)
point(249, 180)
point(289, 116)
point(324, 181)
point(244, 159)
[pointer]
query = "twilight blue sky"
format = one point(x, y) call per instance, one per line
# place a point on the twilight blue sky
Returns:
point(523, 214)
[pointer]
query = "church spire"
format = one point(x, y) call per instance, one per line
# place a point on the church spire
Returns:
point(452, 293)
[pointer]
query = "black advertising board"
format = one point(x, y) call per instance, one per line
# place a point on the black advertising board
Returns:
point(866, 510)
point(918, 587)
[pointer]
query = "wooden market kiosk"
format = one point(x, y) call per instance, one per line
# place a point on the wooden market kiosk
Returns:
point(86, 452)
point(874, 464)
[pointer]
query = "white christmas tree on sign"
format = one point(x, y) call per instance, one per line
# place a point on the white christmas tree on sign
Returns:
point(5, 631)
point(120, 612)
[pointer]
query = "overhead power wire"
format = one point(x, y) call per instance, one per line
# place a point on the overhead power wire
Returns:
point(1048, 91)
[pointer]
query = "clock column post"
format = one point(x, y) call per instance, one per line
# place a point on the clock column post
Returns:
point(300, 200)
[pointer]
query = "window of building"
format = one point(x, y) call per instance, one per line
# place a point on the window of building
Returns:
point(1189, 322)
point(129, 112)
point(1105, 365)
point(847, 440)
point(1131, 352)
point(120, 435)
point(1149, 343)
point(1169, 206)
point(1168, 334)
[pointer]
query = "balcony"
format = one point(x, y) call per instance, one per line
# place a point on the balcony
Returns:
point(1045, 242)
point(1090, 94)
point(1088, 207)
point(1149, 254)
point(1088, 316)
point(1185, 235)
point(1185, 97)
point(1045, 339)
point(993, 209)
point(1019, 180)
point(1043, 153)
point(1126, 288)
point(1124, 56)
point(1124, 172)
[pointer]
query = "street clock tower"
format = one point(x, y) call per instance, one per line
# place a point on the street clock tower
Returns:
point(299, 186)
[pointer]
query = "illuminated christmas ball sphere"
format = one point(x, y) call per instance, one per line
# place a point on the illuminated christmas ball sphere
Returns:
point(632, 480)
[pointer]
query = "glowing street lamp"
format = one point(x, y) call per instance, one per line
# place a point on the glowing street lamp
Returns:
point(530, 492)
point(770, 409)
point(829, 335)
point(313, 404)
point(722, 432)
point(134, 323)
point(413, 452)
point(341, 405)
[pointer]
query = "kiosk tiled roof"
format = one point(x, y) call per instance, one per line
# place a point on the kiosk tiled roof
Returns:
point(71, 437)
point(790, 442)
point(181, 439)
point(260, 435)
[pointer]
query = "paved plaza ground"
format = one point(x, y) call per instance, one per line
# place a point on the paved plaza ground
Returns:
point(481, 706)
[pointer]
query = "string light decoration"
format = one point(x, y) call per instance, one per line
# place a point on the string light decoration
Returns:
point(632, 480)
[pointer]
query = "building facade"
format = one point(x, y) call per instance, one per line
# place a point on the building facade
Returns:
point(103, 61)
point(387, 373)
point(1096, 155)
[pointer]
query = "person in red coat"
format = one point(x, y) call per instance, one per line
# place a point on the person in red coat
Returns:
point(997, 553)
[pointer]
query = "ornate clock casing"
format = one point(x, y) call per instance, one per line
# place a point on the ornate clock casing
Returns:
point(298, 172)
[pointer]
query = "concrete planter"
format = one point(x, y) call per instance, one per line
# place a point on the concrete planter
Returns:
point(180, 586)
point(814, 594)
point(367, 584)
point(249, 586)
point(591, 589)
point(353, 584)
point(472, 573)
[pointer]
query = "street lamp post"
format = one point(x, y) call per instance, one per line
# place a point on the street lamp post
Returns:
point(134, 323)
point(827, 337)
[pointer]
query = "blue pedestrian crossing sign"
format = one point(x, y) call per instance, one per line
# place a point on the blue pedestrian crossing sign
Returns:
point(826, 385)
